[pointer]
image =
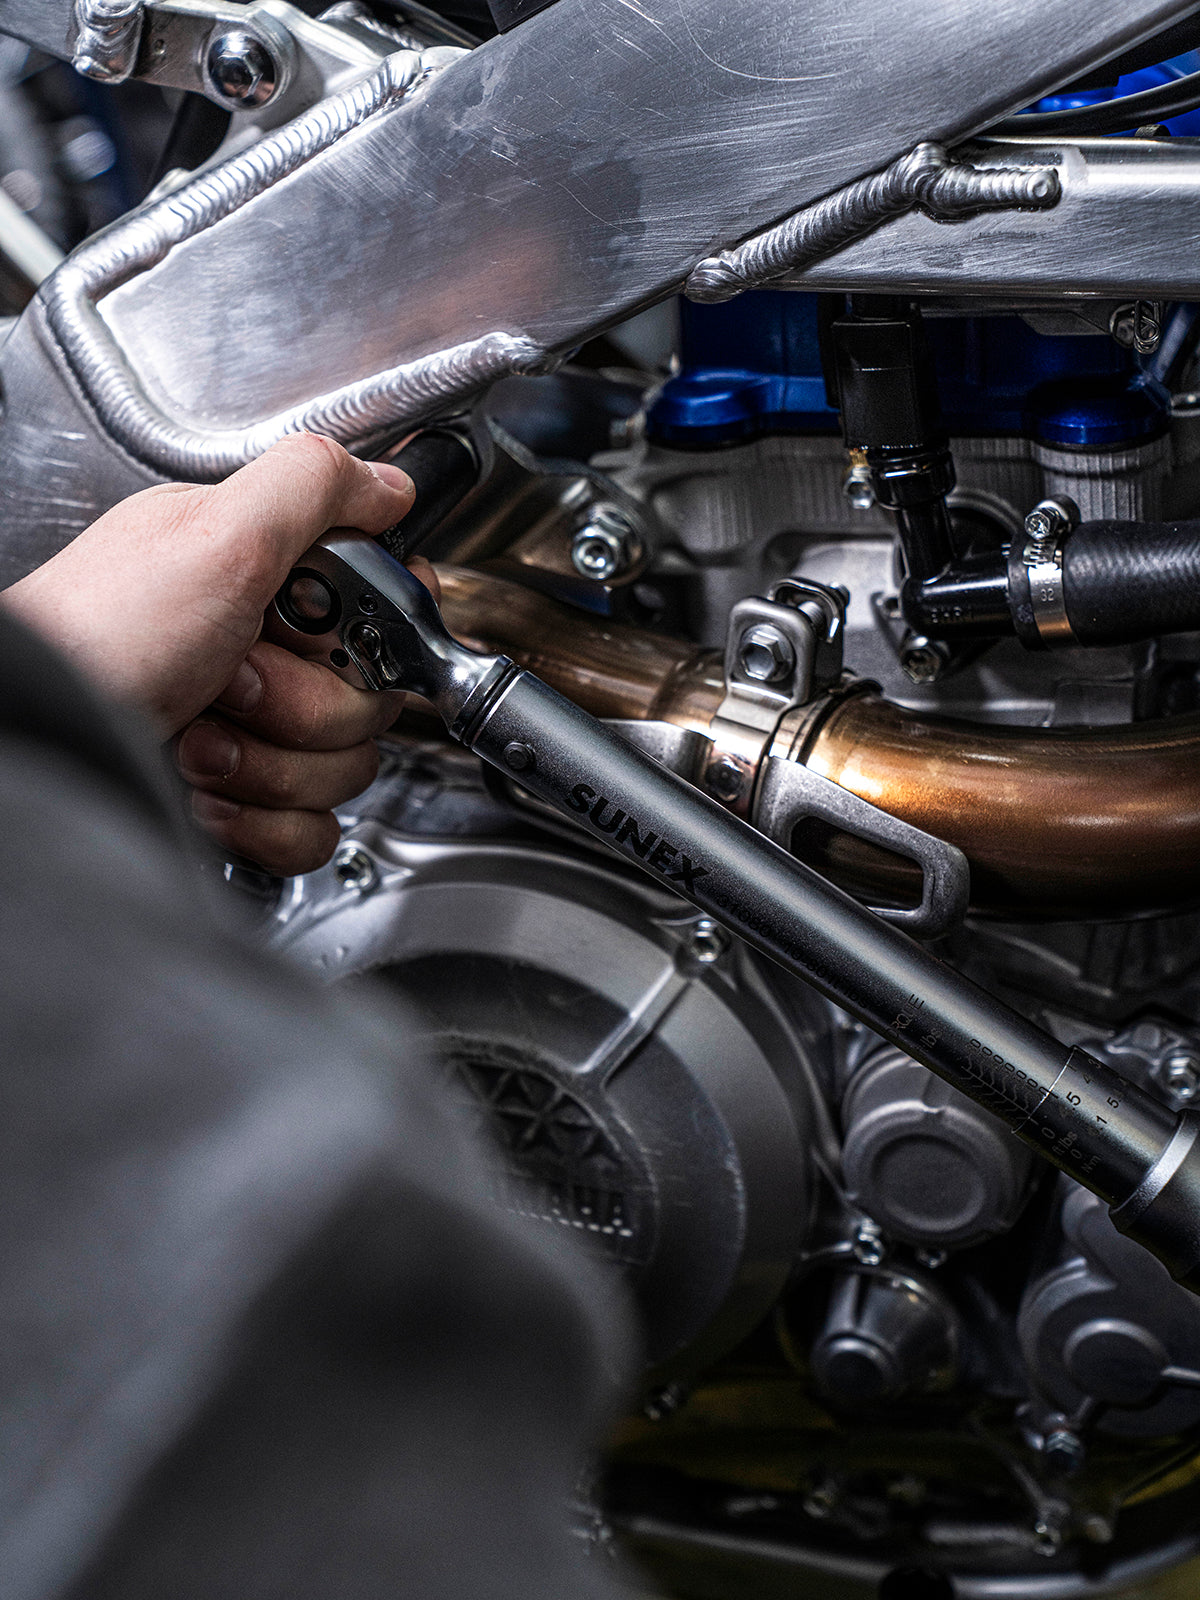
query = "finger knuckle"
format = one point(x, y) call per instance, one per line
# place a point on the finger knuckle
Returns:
point(323, 458)
point(305, 841)
point(280, 780)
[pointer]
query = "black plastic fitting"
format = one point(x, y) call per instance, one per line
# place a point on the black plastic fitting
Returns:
point(888, 401)
point(1122, 582)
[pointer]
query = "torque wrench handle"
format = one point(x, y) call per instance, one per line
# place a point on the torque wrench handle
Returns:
point(445, 462)
point(350, 605)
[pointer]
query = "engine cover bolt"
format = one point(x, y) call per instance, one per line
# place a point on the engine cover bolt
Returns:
point(724, 779)
point(868, 1246)
point(1064, 1451)
point(355, 868)
point(923, 660)
point(765, 653)
point(1181, 1074)
point(606, 545)
point(241, 69)
point(709, 941)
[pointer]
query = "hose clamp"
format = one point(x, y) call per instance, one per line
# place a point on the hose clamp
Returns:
point(1046, 530)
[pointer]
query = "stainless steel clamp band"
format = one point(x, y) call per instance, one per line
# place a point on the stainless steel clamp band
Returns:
point(1040, 569)
point(1044, 565)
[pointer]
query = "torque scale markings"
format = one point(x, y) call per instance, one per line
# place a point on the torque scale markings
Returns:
point(634, 836)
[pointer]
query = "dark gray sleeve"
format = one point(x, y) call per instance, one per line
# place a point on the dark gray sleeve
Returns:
point(263, 1333)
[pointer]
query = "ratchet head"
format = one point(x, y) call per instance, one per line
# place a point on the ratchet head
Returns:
point(350, 606)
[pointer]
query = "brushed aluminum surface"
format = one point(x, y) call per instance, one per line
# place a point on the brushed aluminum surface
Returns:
point(1128, 214)
point(535, 191)
point(562, 175)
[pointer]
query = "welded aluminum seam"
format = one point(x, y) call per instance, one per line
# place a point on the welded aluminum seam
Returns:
point(925, 177)
point(411, 391)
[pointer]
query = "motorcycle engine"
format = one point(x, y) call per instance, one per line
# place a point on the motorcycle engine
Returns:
point(888, 1352)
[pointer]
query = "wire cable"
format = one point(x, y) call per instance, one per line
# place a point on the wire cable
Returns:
point(1111, 116)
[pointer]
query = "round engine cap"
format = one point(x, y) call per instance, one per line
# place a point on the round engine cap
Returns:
point(929, 1166)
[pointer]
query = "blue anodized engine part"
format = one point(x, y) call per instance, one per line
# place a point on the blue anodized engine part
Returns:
point(753, 366)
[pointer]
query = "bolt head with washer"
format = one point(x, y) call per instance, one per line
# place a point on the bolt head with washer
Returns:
point(724, 779)
point(355, 869)
point(923, 660)
point(241, 69)
point(605, 546)
point(765, 653)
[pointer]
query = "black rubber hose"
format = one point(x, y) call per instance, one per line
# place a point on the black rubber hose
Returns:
point(1125, 581)
point(444, 464)
point(1164, 100)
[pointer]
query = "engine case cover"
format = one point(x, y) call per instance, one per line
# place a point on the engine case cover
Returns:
point(645, 1096)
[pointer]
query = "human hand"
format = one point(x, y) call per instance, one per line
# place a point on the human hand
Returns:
point(161, 603)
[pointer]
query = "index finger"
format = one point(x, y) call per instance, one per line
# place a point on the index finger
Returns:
point(272, 510)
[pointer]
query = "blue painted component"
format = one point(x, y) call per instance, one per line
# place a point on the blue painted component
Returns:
point(753, 366)
point(750, 366)
point(1095, 413)
point(1134, 83)
point(996, 375)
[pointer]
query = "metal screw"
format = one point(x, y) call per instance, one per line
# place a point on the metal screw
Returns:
point(858, 488)
point(241, 69)
point(709, 941)
point(868, 1246)
point(1064, 1451)
point(518, 757)
point(724, 779)
point(922, 660)
point(765, 653)
point(355, 869)
point(1181, 1074)
point(1047, 1539)
point(932, 1259)
point(662, 1403)
point(606, 544)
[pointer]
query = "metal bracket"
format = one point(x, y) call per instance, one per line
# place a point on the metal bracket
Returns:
point(790, 793)
point(779, 651)
point(267, 58)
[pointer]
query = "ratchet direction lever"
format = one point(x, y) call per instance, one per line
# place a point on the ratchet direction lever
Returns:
point(350, 605)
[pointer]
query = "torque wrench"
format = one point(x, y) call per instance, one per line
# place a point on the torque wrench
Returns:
point(350, 605)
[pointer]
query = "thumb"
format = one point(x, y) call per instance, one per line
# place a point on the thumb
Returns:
point(273, 509)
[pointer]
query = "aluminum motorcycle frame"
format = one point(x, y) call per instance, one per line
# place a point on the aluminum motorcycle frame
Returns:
point(436, 226)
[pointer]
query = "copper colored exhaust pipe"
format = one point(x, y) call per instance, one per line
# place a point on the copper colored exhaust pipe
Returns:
point(1059, 822)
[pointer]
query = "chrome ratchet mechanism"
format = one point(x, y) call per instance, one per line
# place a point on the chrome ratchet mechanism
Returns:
point(350, 605)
